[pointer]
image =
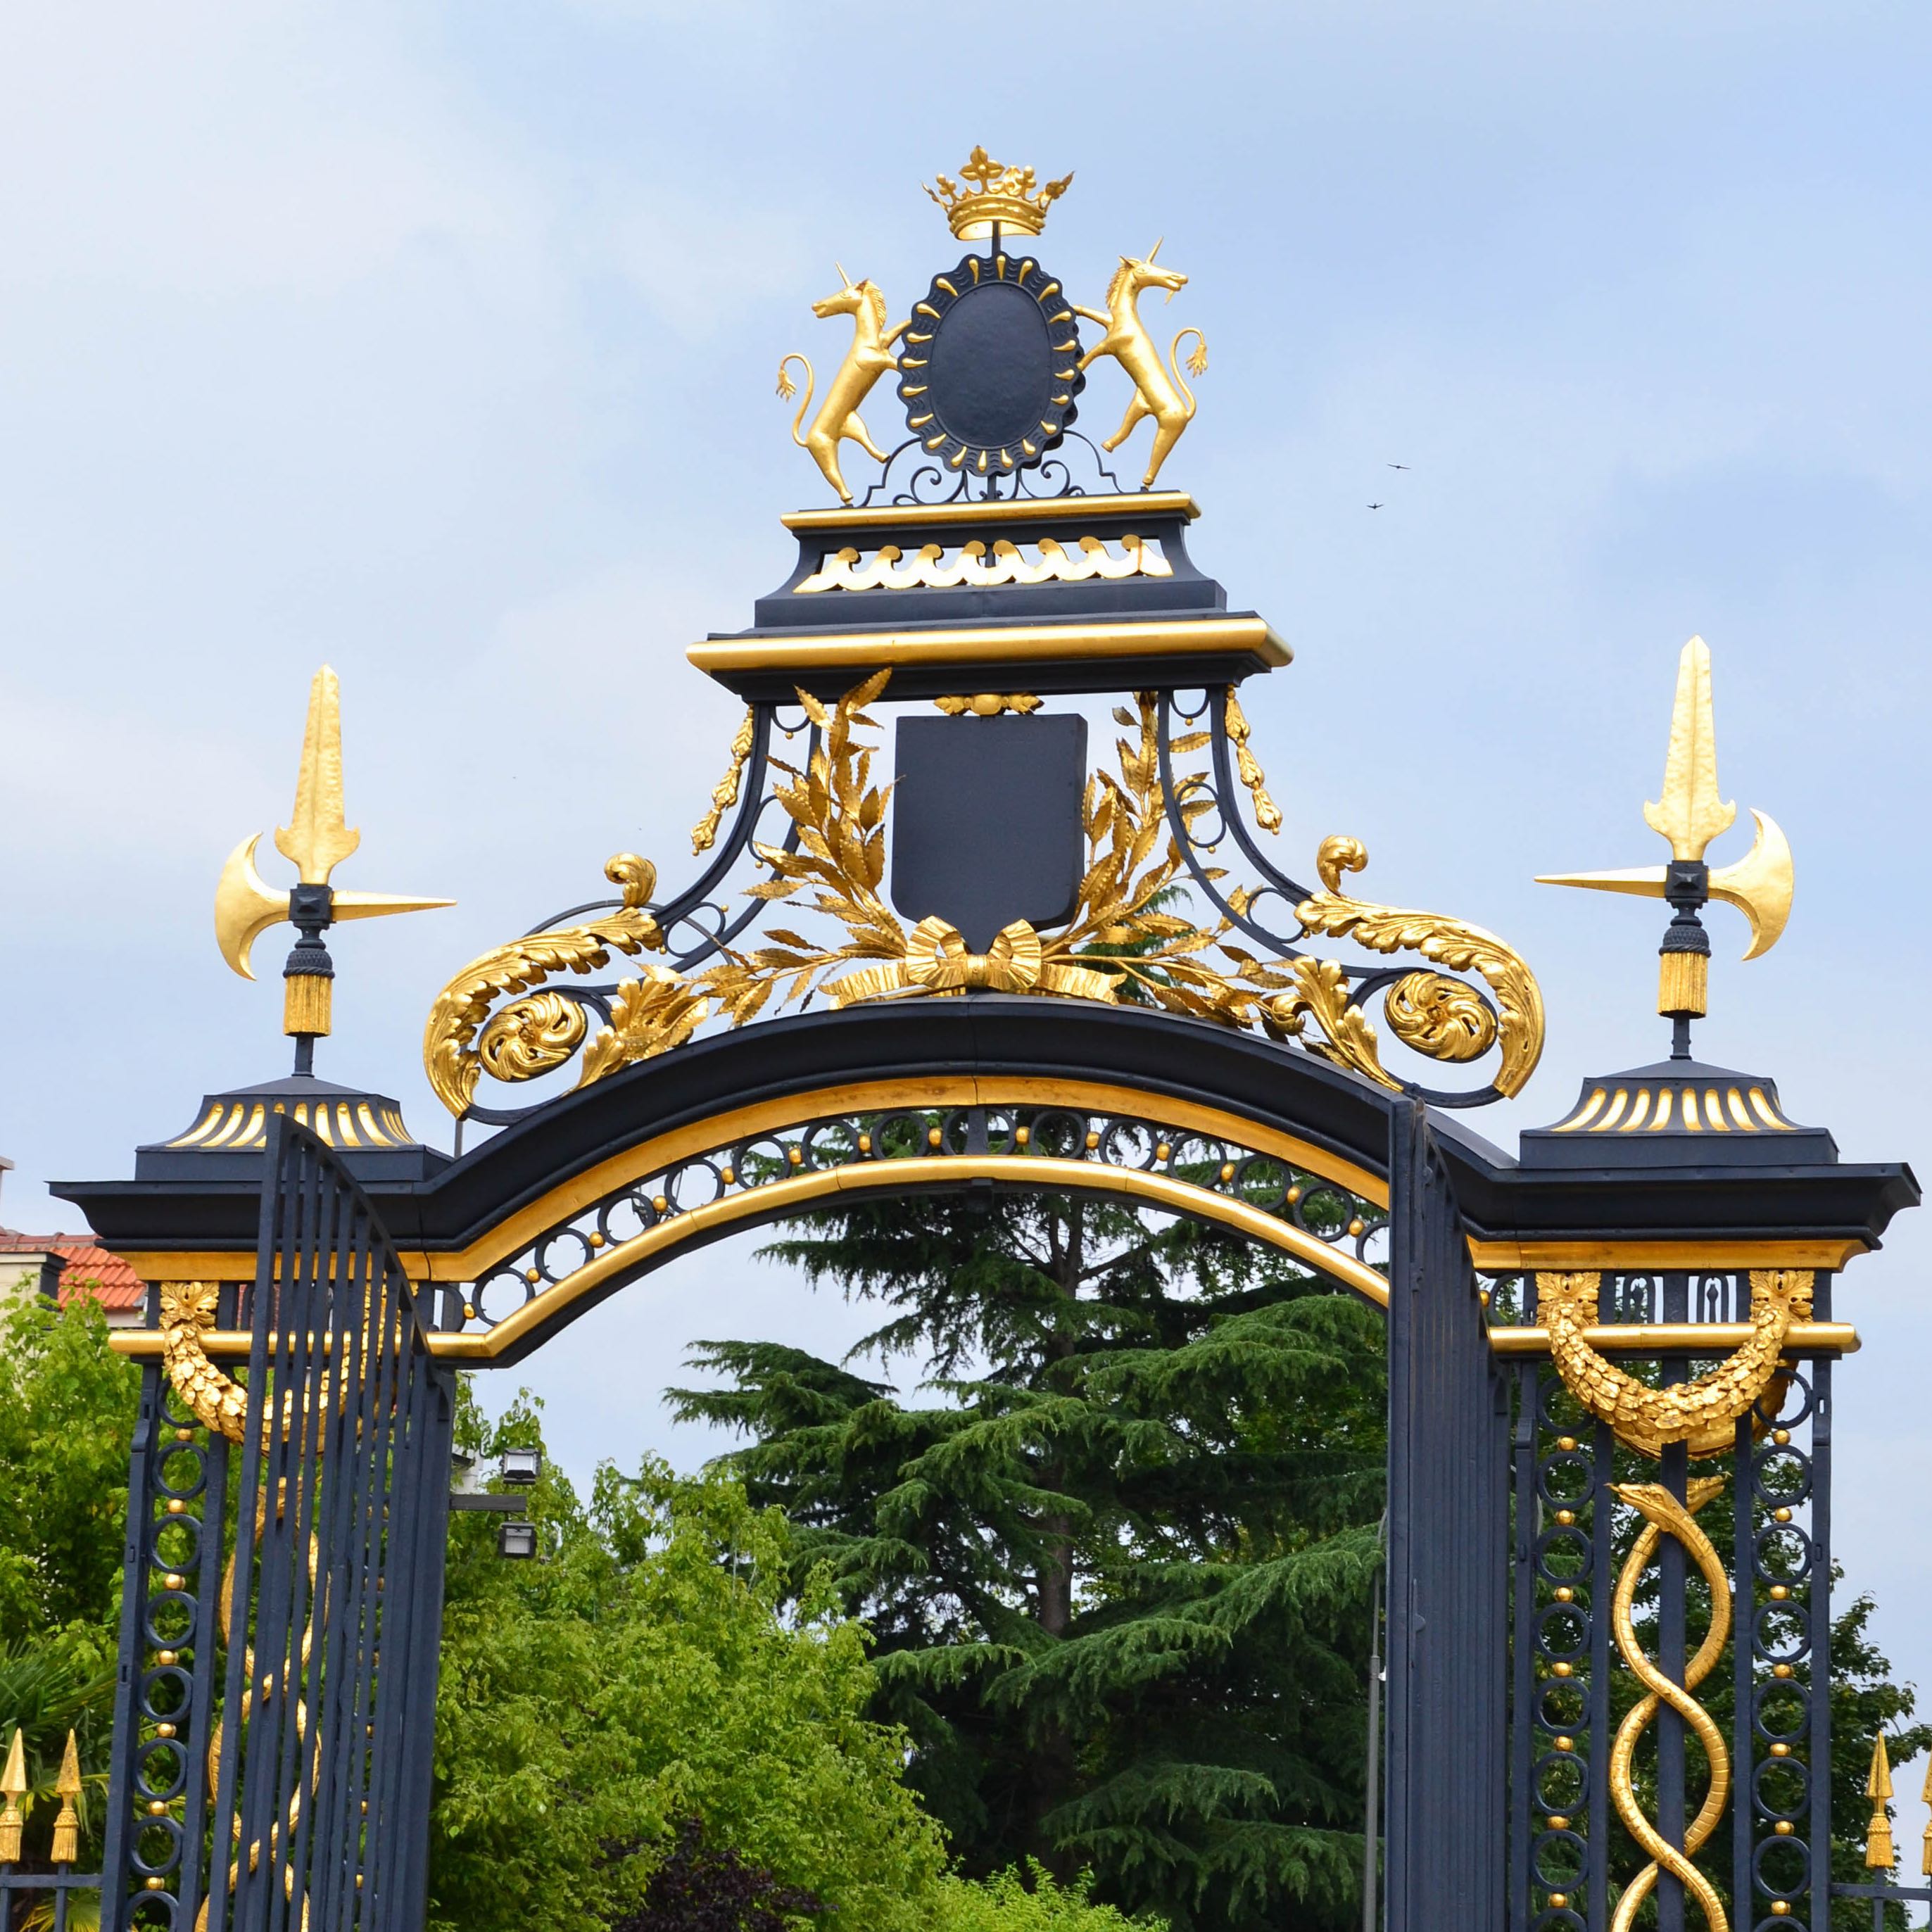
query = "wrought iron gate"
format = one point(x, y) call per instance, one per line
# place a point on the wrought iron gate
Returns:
point(284, 1583)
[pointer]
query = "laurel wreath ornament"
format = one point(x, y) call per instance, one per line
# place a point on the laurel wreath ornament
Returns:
point(1124, 944)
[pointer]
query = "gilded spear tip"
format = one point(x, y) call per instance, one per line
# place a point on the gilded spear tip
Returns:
point(318, 839)
point(1690, 814)
point(13, 1785)
point(66, 1846)
point(1879, 1855)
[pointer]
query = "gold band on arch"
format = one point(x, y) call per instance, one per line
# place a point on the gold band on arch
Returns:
point(912, 1175)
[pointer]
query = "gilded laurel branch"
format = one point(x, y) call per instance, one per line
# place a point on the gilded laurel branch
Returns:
point(530, 1037)
point(1124, 942)
point(214, 1400)
point(1702, 1414)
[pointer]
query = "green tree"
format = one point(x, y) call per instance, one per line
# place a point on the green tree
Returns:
point(643, 1676)
point(68, 1405)
point(1118, 1570)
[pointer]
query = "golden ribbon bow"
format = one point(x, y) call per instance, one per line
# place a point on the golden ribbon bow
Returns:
point(937, 961)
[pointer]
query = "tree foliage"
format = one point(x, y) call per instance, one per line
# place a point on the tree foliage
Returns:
point(643, 1676)
point(1118, 1569)
point(67, 1405)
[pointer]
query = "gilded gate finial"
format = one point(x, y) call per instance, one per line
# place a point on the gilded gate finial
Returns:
point(316, 839)
point(1689, 815)
point(66, 1846)
point(1879, 1854)
point(13, 1787)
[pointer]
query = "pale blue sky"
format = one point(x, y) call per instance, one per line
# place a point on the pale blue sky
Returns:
point(438, 341)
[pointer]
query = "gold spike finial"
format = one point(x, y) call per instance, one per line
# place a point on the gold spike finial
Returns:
point(13, 1785)
point(319, 838)
point(1925, 1850)
point(67, 1826)
point(1879, 1855)
point(1690, 814)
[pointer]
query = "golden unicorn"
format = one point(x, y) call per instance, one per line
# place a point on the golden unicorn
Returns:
point(868, 358)
point(1168, 400)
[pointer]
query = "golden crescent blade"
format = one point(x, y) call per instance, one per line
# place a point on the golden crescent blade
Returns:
point(245, 907)
point(1760, 884)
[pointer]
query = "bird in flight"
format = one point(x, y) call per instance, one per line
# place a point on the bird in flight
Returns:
point(1375, 506)
point(1396, 466)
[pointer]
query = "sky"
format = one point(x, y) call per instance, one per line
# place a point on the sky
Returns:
point(437, 342)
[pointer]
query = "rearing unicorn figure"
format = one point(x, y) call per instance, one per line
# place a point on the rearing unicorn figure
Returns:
point(1165, 397)
point(868, 358)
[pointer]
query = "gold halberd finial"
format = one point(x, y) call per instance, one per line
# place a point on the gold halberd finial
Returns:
point(1007, 196)
point(1689, 815)
point(316, 839)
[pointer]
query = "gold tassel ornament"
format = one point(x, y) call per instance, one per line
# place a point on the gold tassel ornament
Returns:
point(1879, 1855)
point(13, 1785)
point(67, 1826)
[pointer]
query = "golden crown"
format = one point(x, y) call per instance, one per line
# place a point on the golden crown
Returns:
point(1008, 195)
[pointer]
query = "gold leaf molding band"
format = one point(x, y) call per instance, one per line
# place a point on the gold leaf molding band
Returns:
point(887, 568)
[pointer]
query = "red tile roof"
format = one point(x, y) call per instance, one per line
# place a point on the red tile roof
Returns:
point(90, 1268)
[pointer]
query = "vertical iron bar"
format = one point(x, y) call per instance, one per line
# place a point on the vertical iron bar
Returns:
point(1522, 1736)
point(1371, 1835)
point(225, 1875)
point(1602, 1585)
point(115, 1868)
point(1743, 1676)
point(207, 1650)
point(1672, 1650)
point(1819, 1609)
point(429, 1473)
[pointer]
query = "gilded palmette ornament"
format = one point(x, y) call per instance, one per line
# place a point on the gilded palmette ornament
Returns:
point(452, 1062)
point(1663, 1514)
point(1879, 1854)
point(724, 792)
point(66, 1846)
point(1701, 1413)
point(14, 1786)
